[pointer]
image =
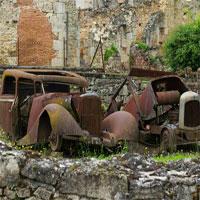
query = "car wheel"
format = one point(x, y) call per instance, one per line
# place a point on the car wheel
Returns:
point(168, 141)
point(55, 141)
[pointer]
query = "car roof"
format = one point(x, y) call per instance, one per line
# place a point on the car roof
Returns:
point(48, 75)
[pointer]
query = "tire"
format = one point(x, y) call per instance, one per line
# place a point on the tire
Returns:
point(168, 141)
point(55, 141)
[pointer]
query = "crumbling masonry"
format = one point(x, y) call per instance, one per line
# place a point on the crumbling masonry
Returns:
point(66, 32)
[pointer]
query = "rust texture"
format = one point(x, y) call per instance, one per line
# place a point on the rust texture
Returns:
point(52, 106)
point(138, 72)
point(35, 37)
point(165, 112)
point(43, 106)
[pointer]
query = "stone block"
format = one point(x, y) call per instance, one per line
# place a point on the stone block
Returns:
point(93, 186)
point(44, 171)
point(9, 171)
point(23, 192)
point(57, 62)
point(1, 191)
point(33, 198)
point(9, 193)
point(73, 197)
point(58, 45)
point(43, 193)
point(59, 8)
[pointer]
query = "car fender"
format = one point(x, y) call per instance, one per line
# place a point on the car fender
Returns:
point(122, 125)
point(53, 117)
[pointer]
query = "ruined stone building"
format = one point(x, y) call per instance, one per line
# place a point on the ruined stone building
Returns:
point(58, 33)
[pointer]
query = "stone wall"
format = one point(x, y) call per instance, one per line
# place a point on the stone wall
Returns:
point(122, 22)
point(39, 32)
point(66, 32)
point(25, 175)
point(193, 79)
point(105, 85)
point(8, 32)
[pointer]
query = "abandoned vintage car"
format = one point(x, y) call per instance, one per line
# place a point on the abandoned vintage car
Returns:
point(167, 114)
point(40, 106)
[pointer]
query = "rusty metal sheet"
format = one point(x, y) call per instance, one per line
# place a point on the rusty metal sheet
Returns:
point(6, 119)
point(147, 102)
point(168, 97)
point(120, 126)
point(131, 107)
point(48, 75)
point(138, 72)
point(61, 123)
point(192, 119)
point(90, 114)
point(169, 83)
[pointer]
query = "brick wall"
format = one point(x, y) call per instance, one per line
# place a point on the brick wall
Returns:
point(41, 32)
point(35, 36)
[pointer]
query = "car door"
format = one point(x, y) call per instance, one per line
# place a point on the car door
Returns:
point(8, 107)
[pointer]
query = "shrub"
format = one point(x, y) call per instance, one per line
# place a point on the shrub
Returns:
point(142, 46)
point(182, 47)
point(110, 52)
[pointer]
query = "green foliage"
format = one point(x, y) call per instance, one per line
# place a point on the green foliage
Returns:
point(83, 149)
point(176, 156)
point(110, 52)
point(142, 46)
point(153, 59)
point(182, 47)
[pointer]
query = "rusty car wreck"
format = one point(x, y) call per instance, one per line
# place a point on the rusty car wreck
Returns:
point(166, 111)
point(48, 106)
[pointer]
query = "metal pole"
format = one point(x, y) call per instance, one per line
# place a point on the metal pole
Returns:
point(67, 39)
point(102, 56)
point(95, 53)
point(64, 53)
point(18, 51)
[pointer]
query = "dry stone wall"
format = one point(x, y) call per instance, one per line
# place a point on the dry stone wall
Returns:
point(25, 175)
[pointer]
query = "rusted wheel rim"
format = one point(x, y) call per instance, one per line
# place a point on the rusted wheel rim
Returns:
point(55, 141)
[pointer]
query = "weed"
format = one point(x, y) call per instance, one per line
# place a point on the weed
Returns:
point(142, 46)
point(110, 52)
point(176, 156)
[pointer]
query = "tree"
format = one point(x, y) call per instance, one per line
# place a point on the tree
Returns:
point(182, 47)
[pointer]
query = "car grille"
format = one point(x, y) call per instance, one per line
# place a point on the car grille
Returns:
point(192, 114)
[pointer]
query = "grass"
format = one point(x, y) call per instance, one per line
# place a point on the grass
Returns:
point(100, 152)
point(77, 150)
point(176, 157)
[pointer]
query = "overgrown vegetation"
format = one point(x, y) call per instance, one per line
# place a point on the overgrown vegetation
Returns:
point(142, 46)
point(85, 150)
point(70, 149)
point(182, 47)
point(176, 156)
point(110, 52)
